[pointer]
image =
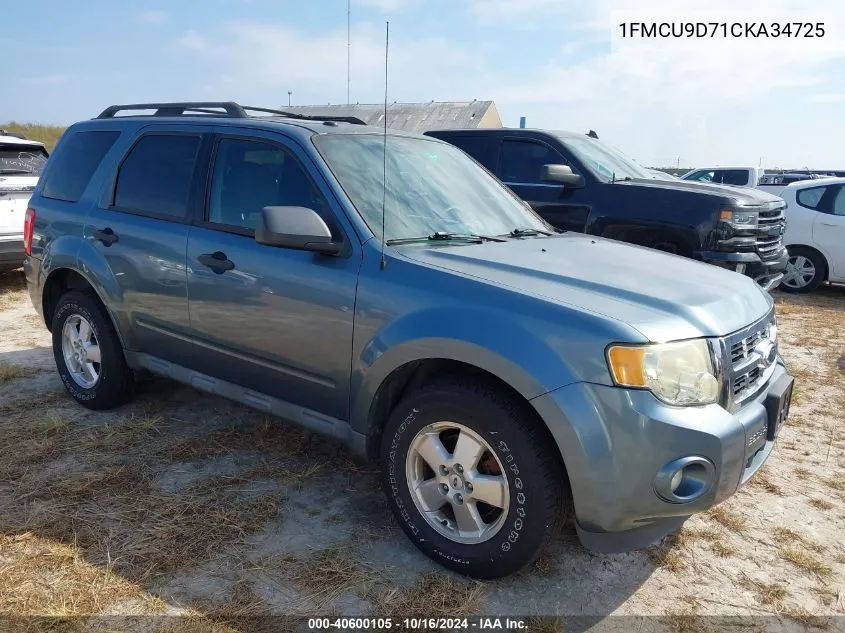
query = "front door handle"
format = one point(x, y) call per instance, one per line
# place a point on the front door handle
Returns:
point(828, 224)
point(106, 236)
point(217, 261)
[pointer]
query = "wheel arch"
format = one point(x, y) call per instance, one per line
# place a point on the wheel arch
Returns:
point(62, 279)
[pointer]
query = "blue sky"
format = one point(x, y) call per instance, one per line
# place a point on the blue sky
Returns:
point(560, 63)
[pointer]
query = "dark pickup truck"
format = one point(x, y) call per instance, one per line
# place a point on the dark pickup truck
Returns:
point(577, 183)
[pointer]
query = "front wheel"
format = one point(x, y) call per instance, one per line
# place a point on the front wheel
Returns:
point(472, 478)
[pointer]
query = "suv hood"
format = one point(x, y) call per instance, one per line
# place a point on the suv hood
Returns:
point(747, 196)
point(665, 297)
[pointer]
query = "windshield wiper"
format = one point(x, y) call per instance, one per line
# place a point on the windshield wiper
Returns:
point(15, 171)
point(445, 236)
point(528, 232)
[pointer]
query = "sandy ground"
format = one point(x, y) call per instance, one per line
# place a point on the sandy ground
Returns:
point(184, 503)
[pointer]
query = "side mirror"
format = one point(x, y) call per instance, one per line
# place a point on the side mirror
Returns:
point(298, 228)
point(562, 174)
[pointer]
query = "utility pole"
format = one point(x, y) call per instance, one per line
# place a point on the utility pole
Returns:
point(348, 47)
point(289, 94)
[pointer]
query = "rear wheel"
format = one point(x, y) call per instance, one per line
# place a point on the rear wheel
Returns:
point(88, 353)
point(805, 271)
point(472, 478)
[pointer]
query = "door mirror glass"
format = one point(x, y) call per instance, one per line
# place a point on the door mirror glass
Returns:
point(562, 174)
point(298, 228)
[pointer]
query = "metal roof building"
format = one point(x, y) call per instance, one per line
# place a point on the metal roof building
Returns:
point(414, 117)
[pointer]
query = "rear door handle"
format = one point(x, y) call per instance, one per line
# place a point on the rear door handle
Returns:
point(106, 236)
point(217, 261)
point(828, 224)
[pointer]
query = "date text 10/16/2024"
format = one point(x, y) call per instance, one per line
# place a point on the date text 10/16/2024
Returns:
point(411, 624)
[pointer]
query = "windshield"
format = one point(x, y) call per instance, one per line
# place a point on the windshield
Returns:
point(22, 161)
point(431, 187)
point(605, 162)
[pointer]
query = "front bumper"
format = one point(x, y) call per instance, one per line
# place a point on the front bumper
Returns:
point(766, 272)
point(615, 442)
point(11, 251)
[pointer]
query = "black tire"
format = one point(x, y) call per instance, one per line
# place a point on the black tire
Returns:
point(538, 486)
point(115, 383)
point(819, 264)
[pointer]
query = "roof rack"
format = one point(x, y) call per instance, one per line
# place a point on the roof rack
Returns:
point(217, 108)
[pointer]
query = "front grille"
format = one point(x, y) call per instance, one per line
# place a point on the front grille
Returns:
point(770, 225)
point(749, 370)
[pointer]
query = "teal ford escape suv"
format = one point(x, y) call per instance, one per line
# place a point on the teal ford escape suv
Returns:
point(384, 289)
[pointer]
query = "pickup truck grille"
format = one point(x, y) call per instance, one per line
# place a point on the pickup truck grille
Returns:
point(770, 226)
point(751, 365)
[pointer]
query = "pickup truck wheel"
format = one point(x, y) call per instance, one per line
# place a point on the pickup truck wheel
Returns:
point(805, 271)
point(471, 478)
point(88, 353)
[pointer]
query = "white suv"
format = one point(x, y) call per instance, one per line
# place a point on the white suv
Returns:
point(21, 161)
point(815, 233)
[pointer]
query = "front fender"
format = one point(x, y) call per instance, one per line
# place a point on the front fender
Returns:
point(497, 344)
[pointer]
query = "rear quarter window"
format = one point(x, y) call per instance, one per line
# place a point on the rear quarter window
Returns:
point(810, 198)
point(76, 160)
point(155, 177)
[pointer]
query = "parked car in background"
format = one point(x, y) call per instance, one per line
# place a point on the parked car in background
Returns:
point(737, 176)
point(21, 161)
point(815, 233)
point(501, 373)
point(577, 183)
point(661, 175)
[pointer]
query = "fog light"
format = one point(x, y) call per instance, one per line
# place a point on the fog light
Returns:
point(685, 479)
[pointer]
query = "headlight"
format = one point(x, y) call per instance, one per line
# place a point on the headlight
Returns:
point(739, 217)
point(680, 374)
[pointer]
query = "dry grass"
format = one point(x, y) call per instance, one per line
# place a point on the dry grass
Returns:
point(734, 522)
point(269, 435)
point(836, 483)
point(804, 617)
point(42, 577)
point(545, 625)
point(763, 479)
point(669, 559)
point(722, 549)
point(785, 536)
point(9, 371)
point(769, 593)
point(805, 561)
point(545, 566)
point(330, 573)
point(434, 595)
point(821, 504)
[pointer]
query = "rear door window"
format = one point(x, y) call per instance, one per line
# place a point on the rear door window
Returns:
point(481, 148)
point(75, 161)
point(156, 175)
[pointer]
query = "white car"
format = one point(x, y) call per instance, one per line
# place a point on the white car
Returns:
point(21, 162)
point(815, 233)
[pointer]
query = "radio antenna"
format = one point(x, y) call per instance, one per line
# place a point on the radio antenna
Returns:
point(384, 145)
